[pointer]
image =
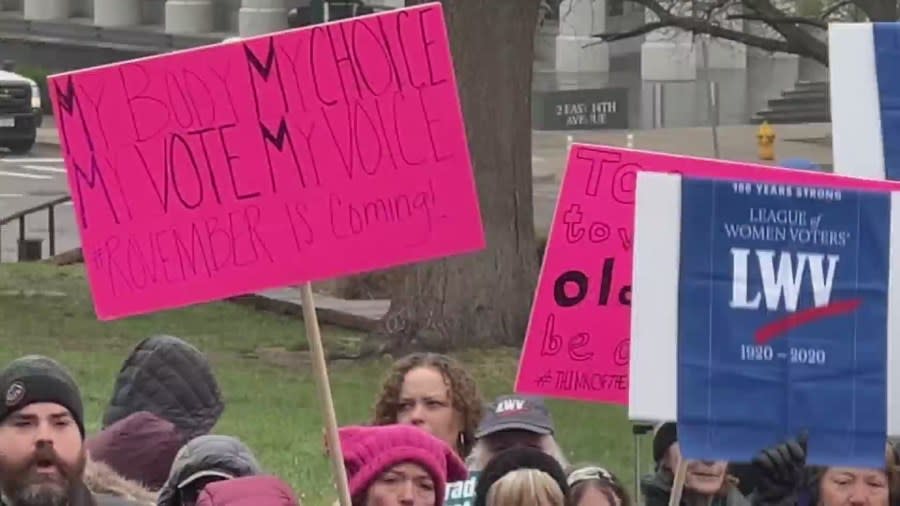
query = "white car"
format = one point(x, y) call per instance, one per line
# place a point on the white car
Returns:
point(20, 112)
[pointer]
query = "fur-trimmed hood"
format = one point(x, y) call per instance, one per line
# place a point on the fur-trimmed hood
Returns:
point(103, 480)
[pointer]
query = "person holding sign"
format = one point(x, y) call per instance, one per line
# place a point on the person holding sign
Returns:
point(397, 465)
point(515, 421)
point(786, 480)
point(705, 483)
point(433, 392)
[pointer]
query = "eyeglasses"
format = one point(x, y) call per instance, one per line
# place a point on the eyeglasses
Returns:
point(589, 473)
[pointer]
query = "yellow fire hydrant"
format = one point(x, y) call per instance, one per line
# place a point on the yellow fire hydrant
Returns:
point(765, 141)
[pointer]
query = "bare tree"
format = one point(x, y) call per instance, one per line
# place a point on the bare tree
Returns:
point(485, 297)
point(781, 26)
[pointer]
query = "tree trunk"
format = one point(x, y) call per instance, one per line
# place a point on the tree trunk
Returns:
point(485, 297)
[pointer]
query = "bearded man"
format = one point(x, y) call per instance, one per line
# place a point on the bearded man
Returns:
point(42, 453)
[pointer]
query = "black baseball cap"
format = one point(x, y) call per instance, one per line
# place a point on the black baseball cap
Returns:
point(516, 412)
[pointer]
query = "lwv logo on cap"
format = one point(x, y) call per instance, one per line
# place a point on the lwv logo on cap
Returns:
point(508, 405)
point(15, 393)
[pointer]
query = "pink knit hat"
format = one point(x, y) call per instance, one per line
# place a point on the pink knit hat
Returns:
point(370, 451)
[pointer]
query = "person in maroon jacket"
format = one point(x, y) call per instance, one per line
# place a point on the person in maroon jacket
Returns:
point(140, 447)
point(248, 491)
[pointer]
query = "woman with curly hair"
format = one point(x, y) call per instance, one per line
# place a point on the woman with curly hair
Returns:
point(433, 392)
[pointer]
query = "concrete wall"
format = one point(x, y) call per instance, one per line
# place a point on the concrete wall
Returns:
point(225, 12)
point(631, 17)
point(225, 15)
point(81, 8)
point(61, 57)
point(153, 12)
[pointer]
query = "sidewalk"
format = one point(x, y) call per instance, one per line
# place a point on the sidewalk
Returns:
point(46, 133)
point(549, 151)
point(736, 142)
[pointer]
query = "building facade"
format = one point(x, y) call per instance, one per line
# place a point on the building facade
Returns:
point(242, 17)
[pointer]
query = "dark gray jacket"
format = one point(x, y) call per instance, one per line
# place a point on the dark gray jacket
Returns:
point(656, 488)
point(207, 455)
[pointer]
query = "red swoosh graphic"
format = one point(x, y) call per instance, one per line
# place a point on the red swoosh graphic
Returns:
point(772, 330)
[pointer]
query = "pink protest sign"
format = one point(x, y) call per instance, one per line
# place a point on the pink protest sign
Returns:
point(270, 161)
point(578, 339)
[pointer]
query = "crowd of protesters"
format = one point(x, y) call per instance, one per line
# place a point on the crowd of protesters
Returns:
point(432, 442)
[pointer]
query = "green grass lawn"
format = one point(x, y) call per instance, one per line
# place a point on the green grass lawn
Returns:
point(273, 409)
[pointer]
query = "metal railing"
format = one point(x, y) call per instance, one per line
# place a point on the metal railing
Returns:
point(20, 216)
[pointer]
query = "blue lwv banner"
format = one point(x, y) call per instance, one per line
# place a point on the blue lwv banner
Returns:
point(782, 321)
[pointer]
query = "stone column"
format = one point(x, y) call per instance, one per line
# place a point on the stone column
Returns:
point(674, 54)
point(809, 69)
point(43, 10)
point(117, 12)
point(578, 20)
point(668, 54)
point(631, 17)
point(720, 53)
point(724, 54)
point(257, 17)
point(779, 69)
point(189, 16)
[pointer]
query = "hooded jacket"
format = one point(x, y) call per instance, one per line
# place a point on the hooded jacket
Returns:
point(168, 377)
point(656, 488)
point(110, 489)
point(249, 491)
point(140, 447)
point(224, 456)
point(101, 486)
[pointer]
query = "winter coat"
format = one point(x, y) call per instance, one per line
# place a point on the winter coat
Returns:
point(171, 379)
point(81, 496)
point(206, 455)
point(656, 488)
point(747, 476)
point(140, 447)
point(110, 489)
point(462, 492)
point(249, 491)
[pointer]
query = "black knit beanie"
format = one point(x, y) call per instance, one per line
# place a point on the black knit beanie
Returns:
point(665, 436)
point(518, 458)
point(34, 378)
